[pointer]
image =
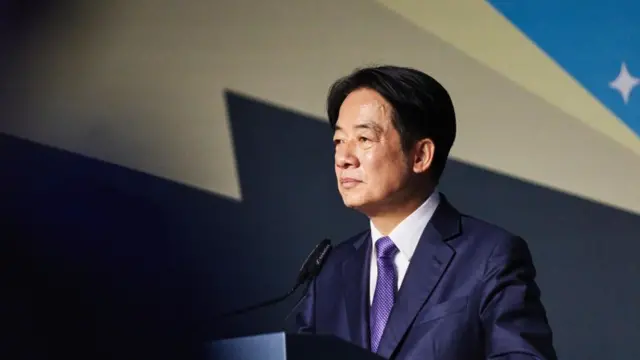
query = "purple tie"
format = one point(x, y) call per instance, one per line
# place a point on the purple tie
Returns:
point(384, 296)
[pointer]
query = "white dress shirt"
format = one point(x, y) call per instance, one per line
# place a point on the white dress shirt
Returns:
point(405, 236)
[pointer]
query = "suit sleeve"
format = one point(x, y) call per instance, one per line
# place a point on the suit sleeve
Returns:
point(303, 314)
point(512, 314)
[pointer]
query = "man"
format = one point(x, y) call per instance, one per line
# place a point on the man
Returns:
point(424, 282)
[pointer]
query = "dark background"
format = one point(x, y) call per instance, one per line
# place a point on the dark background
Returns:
point(101, 258)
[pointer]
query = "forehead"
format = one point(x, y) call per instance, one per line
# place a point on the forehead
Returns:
point(363, 106)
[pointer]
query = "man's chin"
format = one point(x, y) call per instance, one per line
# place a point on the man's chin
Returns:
point(356, 204)
point(353, 203)
point(366, 206)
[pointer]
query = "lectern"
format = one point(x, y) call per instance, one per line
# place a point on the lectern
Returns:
point(283, 346)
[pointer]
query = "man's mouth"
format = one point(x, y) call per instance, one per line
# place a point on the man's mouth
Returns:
point(349, 182)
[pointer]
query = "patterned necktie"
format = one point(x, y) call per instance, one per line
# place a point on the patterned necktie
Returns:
point(384, 295)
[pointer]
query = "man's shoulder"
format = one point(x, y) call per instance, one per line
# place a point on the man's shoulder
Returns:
point(476, 225)
point(472, 229)
point(491, 236)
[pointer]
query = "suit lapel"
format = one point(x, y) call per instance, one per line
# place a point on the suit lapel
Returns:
point(428, 265)
point(355, 274)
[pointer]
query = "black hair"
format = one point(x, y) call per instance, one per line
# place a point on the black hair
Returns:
point(422, 107)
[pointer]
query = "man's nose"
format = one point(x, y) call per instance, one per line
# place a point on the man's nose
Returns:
point(345, 156)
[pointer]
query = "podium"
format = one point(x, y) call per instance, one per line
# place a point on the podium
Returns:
point(283, 346)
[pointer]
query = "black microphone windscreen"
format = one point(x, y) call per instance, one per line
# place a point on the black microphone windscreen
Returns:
point(312, 265)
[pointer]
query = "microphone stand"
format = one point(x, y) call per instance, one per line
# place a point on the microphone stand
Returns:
point(262, 304)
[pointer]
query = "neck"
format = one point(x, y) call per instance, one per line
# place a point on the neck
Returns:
point(393, 214)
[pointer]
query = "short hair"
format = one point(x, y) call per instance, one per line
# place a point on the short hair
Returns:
point(422, 107)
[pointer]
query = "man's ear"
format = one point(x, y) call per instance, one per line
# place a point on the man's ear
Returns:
point(424, 151)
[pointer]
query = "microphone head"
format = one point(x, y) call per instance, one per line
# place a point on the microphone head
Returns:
point(314, 262)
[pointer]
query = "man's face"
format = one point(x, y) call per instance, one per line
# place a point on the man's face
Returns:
point(371, 167)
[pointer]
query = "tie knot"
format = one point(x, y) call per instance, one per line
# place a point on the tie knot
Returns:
point(386, 248)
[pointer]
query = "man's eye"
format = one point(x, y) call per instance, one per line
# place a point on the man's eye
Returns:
point(363, 139)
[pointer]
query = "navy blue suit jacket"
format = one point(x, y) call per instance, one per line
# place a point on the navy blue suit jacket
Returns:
point(469, 293)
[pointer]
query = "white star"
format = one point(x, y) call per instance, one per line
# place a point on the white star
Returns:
point(624, 83)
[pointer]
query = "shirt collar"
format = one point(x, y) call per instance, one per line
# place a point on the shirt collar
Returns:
point(406, 235)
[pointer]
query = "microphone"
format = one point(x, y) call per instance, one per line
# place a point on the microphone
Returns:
point(309, 269)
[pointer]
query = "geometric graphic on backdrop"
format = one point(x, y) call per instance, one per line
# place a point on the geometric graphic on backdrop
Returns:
point(480, 31)
point(597, 43)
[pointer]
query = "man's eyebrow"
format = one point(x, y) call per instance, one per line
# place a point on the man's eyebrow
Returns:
point(370, 126)
point(367, 125)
